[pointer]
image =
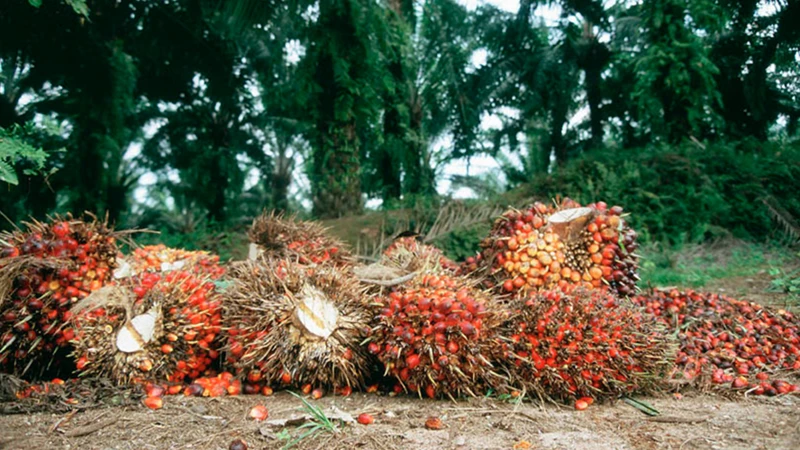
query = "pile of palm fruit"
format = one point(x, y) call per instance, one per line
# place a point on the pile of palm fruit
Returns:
point(549, 307)
point(44, 270)
point(296, 240)
point(546, 247)
point(160, 258)
point(731, 343)
point(153, 326)
point(581, 343)
point(296, 313)
point(435, 335)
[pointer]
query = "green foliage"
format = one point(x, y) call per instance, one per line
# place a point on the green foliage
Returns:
point(463, 242)
point(688, 192)
point(319, 423)
point(697, 265)
point(79, 6)
point(15, 149)
point(675, 90)
point(231, 100)
point(787, 280)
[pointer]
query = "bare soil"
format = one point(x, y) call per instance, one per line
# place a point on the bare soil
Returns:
point(693, 422)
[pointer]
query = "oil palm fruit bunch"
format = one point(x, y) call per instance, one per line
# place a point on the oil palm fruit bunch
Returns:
point(727, 342)
point(544, 247)
point(583, 343)
point(412, 255)
point(402, 261)
point(150, 327)
point(295, 324)
point(44, 270)
point(290, 238)
point(434, 336)
point(160, 258)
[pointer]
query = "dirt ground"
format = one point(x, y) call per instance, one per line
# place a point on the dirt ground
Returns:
point(693, 422)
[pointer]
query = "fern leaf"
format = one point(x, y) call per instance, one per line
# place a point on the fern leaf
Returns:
point(783, 218)
point(7, 173)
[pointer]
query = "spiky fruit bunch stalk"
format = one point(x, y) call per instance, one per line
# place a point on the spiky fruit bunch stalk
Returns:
point(160, 258)
point(728, 342)
point(297, 240)
point(544, 247)
point(583, 344)
point(153, 327)
point(411, 255)
point(292, 324)
point(434, 336)
point(43, 271)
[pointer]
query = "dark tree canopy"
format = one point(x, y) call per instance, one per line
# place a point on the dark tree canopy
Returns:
point(170, 113)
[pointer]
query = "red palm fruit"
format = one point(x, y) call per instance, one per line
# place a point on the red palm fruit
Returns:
point(164, 314)
point(235, 387)
point(431, 350)
point(319, 346)
point(153, 402)
point(569, 345)
point(154, 390)
point(434, 423)
point(519, 255)
point(365, 419)
point(38, 280)
point(739, 382)
point(345, 391)
point(193, 390)
point(259, 412)
point(289, 238)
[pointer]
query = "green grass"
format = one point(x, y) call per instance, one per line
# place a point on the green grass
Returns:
point(319, 423)
point(695, 266)
point(786, 281)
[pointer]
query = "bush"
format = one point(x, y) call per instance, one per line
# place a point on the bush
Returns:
point(689, 193)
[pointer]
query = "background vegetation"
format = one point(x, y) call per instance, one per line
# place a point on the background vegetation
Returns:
point(190, 116)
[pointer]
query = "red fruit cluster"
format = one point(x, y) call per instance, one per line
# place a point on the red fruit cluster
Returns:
point(411, 254)
point(41, 389)
point(582, 344)
point(296, 240)
point(528, 250)
point(187, 337)
point(46, 269)
point(299, 325)
point(728, 342)
point(433, 335)
point(158, 258)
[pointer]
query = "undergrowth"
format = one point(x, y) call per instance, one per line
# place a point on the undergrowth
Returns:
point(689, 192)
point(696, 265)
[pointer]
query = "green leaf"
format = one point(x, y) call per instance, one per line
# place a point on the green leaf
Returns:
point(7, 173)
point(35, 3)
point(79, 6)
point(642, 406)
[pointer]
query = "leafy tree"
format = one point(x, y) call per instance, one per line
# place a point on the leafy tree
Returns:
point(341, 68)
point(675, 87)
point(14, 150)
